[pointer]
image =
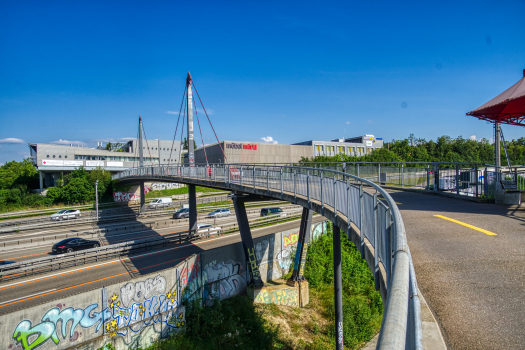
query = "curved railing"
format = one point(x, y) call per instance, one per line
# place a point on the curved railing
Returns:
point(368, 213)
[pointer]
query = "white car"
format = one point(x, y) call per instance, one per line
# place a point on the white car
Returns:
point(217, 213)
point(207, 229)
point(66, 214)
point(160, 203)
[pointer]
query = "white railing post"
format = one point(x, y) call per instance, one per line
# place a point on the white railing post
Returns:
point(308, 187)
point(362, 220)
point(335, 201)
point(376, 243)
point(254, 178)
point(281, 183)
point(322, 199)
point(295, 185)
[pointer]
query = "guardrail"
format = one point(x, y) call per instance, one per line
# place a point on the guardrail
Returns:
point(341, 197)
point(61, 261)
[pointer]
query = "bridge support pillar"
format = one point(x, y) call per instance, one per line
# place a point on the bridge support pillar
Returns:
point(338, 288)
point(247, 240)
point(192, 202)
point(142, 198)
point(302, 246)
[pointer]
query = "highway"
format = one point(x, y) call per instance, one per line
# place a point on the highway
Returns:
point(29, 291)
point(470, 261)
point(31, 251)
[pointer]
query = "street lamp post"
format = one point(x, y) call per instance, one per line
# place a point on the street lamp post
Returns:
point(96, 197)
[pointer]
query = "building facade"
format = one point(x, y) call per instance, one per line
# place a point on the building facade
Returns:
point(234, 152)
point(53, 161)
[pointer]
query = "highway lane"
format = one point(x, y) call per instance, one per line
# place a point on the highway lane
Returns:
point(29, 291)
point(470, 261)
point(33, 252)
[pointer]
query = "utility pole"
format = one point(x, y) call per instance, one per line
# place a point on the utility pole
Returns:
point(497, 138)
point(96, 197)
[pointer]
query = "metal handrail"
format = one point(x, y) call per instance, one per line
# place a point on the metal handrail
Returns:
point(339, 193)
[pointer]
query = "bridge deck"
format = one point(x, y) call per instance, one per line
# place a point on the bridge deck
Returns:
point(473, 281)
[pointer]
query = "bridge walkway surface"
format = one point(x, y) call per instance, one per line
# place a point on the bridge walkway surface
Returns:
point(469, 260)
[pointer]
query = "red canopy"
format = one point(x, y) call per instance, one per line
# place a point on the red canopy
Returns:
point(506, 108)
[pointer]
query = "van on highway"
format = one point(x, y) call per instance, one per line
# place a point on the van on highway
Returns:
point(160, 203)
point(272, 211)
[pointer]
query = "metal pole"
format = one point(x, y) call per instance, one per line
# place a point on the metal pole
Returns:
point(281, 183)
point(457, 178)
point(402, 175)
point(335, 201)
point(476, 172)
point(428, 177)
point(357, 170)
point(308, 187)
point(322, 200)
point(376, 244)
point(254, 178)
point(338, 288)
point(96, 197)
point(295, 185)
point(362, 221)
point(189, 99)
point(379, 174)
point(497, 138)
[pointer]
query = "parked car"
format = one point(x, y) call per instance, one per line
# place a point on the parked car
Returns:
point(160, 203)
point(182, 213)
point(272, 211)
point(69, 245)
point(66, 214)
point(217, 213)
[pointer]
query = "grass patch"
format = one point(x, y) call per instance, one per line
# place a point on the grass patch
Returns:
point(175, 191)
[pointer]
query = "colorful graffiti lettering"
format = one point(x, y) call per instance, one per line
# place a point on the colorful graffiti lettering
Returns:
point(47, 328)
point(290, 240)
point(189, 277)
point(142, 290)
point(286, 296)
point(129, 196)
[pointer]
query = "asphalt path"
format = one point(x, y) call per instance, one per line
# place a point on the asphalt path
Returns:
point(34, 290)
point(473, 280)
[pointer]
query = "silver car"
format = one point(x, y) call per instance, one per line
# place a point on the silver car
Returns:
point(217, 213)
point(66, 214)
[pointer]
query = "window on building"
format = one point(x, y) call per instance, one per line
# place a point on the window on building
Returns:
point(53, 156)
point(65, 156)
point(47, 156)
point(60, 156)
point(361, 149)
point(340, 149)
point(369, 150)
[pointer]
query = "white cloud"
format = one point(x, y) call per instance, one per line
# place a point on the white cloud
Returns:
point(66, 142)
point(347, 122)
point(473, 137)
point(12, 140)
point(269, 139)
point(172, 112)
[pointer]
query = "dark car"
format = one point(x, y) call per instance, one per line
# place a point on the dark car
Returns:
point(182, 213)
point(272, 211)
point(69, 245)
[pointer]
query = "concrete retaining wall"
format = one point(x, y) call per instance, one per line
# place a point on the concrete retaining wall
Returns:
point(135, 313)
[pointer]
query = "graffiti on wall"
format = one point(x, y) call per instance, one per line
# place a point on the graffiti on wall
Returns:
point(223, 280)
point(189, 279)
point(285, 296)
point(130, 196)
point(288, 246)
point(143, 307)
point(165, 186)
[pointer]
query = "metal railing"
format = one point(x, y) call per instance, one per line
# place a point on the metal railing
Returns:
point(353, 199)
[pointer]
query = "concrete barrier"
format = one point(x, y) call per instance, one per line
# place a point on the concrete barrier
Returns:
point(135, 313)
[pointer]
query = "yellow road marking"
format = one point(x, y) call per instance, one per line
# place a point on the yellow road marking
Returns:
point(385, 200)
point(467, 225)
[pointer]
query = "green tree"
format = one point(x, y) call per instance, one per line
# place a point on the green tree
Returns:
point(185, 144)
point(77, 190)
point(15, 173)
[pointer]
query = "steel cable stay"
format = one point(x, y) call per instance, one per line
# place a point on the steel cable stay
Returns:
point(176, 128)
point(202, 139)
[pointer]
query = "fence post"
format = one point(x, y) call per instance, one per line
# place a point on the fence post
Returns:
point(268, 180)
point(379, 174)
point(338, 288)
point(241, 175)
point(457, 178)
point(308, 187)
point(322, 199)
point(281, 183)
point(254, 178)
point(477, 177)
point(335, 201)
point(295, 185)
point(358, 170)
point(348, 206)
point(362, 221)
point(402, 175)
point(485, 183)
point(376, 244)
point(428, 177)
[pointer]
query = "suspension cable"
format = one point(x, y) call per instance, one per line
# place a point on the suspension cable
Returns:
point(178, 119)
point(146, 138)
point(218, 142)
point(199, 123)
point(182, 131)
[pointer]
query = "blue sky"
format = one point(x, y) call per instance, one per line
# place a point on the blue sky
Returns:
point(293, 71)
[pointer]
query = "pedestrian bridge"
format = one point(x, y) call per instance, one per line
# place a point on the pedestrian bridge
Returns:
point(362, 209)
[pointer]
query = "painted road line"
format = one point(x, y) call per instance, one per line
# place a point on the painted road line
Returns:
point(385, 201)
point(27, 296)
point(467, 225)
